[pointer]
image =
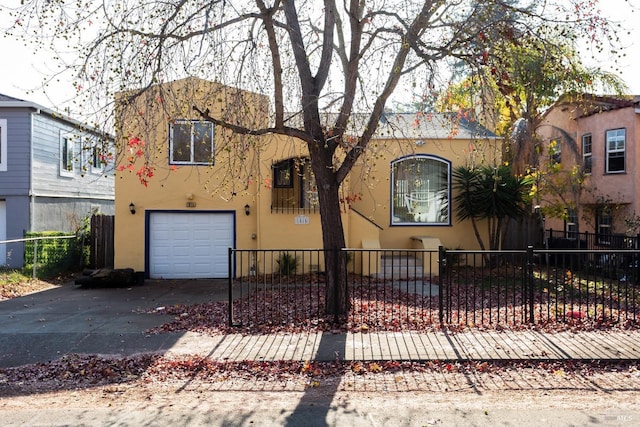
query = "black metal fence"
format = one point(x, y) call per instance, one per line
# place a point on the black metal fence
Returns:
point(418, 289)
point(562, 239)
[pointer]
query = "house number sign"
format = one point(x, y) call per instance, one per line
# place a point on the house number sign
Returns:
point(301, 219)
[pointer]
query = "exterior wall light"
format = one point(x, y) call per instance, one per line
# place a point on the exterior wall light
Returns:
point(247, 210)
point(132, 208)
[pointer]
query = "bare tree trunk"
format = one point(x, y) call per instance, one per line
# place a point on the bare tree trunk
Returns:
point(337, 299)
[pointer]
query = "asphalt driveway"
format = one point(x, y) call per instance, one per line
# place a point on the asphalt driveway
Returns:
point(70, 319)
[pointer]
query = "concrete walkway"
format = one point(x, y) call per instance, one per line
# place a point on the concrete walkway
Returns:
point(47, 325)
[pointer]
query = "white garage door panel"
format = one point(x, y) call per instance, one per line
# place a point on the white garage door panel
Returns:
point(189, 245)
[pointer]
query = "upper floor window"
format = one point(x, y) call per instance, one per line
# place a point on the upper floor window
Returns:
point(67, 154)
point(615, 150)
point(294, 186)
point(555, 151)
point(3, 145)
point(99, 156)
point(191, 142)
point(420, 190)
point(586, 153)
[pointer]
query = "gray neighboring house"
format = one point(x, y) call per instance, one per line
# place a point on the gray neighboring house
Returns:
point(53, 173)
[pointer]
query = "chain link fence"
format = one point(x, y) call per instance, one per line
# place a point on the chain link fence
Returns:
point(47, 254)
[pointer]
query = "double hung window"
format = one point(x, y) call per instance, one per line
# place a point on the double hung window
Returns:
point(67, 155)
point(191, 142)
point(586, 153)
point(615, 151)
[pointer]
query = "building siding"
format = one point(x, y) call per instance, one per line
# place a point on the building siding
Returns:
point(37, 197)
point(47, 181)
point(15, 180)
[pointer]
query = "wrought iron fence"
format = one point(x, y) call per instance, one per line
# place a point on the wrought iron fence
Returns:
point(561, 239)
point(417, 289)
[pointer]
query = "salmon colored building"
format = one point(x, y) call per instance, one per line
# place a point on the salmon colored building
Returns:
point(594, 139)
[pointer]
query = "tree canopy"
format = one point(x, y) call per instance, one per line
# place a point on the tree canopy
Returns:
point(311, 57)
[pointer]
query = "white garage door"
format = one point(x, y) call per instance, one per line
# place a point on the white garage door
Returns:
point(189, 245)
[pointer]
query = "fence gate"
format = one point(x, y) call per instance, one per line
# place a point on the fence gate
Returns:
point(102, 232)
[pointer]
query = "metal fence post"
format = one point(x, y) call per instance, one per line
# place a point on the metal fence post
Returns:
point(441, 269)
point(530, 283)
point(230, 287)
point(35, 257)
point(336, 285)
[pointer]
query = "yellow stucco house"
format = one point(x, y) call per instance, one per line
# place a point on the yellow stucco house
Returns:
point(187, 191)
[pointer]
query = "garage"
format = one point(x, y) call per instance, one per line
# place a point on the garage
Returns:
point(189, 245)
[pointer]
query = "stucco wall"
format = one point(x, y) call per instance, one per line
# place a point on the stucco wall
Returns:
point(619, 190)
point(372, 182)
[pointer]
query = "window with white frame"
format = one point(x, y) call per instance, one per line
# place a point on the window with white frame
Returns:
point(99, 155)
point(67, 154)
point(604, 220)
point(420, 191)
point(3, 145)
point(191, 142)
point(586, 153)
point(571, 223)
point(97, 166)
point(615, 150)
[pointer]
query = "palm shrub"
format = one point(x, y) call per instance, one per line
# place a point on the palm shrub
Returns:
point(493, 194)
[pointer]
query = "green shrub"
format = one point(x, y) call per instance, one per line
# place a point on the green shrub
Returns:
point(287, 263)
point(53, 256)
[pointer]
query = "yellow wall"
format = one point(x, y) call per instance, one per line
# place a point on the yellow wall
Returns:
point(213, 188)
point(373, 183)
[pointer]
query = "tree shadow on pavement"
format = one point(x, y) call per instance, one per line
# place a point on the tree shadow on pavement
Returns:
point(316, 403)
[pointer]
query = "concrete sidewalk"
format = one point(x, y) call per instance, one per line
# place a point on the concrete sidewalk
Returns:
point(415, 346)
point(47, 325)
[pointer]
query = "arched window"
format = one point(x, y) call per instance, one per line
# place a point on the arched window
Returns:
point(420, 191)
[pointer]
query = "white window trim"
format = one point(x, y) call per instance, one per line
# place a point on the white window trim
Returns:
point(618, 150)
point(100, 168)
point(3, 145)
point(603, 228)
point(588, 155)
point(192, 154)
point(419, 198)
point(70, 140)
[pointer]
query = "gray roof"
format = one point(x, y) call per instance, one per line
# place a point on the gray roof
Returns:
point(7, 98)
point(430, 126)
point(7, 101)
point(413, 126)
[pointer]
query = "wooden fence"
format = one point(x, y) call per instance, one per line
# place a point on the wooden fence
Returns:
point(102, 228)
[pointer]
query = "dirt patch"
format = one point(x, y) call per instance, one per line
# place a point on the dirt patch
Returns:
point(13, 284)
point(10, 289)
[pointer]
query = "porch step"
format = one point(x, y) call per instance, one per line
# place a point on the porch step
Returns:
point(400, 267)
